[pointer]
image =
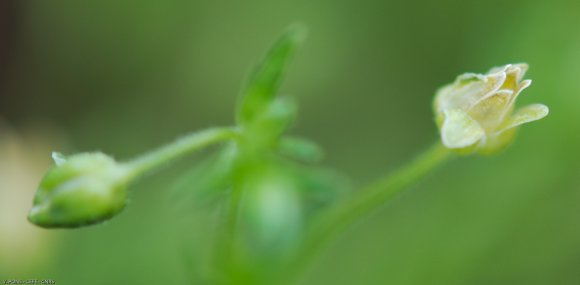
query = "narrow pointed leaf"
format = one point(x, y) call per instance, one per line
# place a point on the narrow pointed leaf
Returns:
point(265, 79)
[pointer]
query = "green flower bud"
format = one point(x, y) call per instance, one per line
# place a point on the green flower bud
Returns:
point(475, 113)
point(83, 189)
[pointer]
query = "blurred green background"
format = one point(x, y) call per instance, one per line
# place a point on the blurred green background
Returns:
point(126, 76)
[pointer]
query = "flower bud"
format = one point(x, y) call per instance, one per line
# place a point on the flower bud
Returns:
point(83, 189)
point(475, 113)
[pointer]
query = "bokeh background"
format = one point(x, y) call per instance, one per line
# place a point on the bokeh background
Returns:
point(126, 76)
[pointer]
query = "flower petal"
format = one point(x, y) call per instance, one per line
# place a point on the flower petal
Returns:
point(523, 68)
point(459, 130)
point(522, 85)
point(510, 107)
point(526, 114)
point(490, 111)
point(467, 90)
point(497, 69)
point(514, 74)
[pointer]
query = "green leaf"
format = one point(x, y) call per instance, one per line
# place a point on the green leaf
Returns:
point(300, 149)
point(271, 123)
point(264, 81)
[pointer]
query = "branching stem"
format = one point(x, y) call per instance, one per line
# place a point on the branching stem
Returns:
point(179, 148)
point(369, 199)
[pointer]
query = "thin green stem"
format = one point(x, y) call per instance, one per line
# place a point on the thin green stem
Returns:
point(337, 219)
point(228, 256)
point(178, 149)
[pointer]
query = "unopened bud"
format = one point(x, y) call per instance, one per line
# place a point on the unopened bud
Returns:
point(83, 189)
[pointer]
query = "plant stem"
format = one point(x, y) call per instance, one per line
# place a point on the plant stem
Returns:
point(178, 149)
point(372, 197)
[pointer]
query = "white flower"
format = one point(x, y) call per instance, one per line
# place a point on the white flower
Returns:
point(475, 113)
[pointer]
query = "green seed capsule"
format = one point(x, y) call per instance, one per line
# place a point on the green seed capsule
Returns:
point(83, 189)
point(272, 210)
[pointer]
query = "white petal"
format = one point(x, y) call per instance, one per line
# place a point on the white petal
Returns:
point(526, 114)
point(523, 85)
point(490, 111)
point(459, 130)
point(521, 68)
point(467, 89)
point(497, 69)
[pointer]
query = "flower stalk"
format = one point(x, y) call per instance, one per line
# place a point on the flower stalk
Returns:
point(180, 148)
point(90, 188)
point(370, 199)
